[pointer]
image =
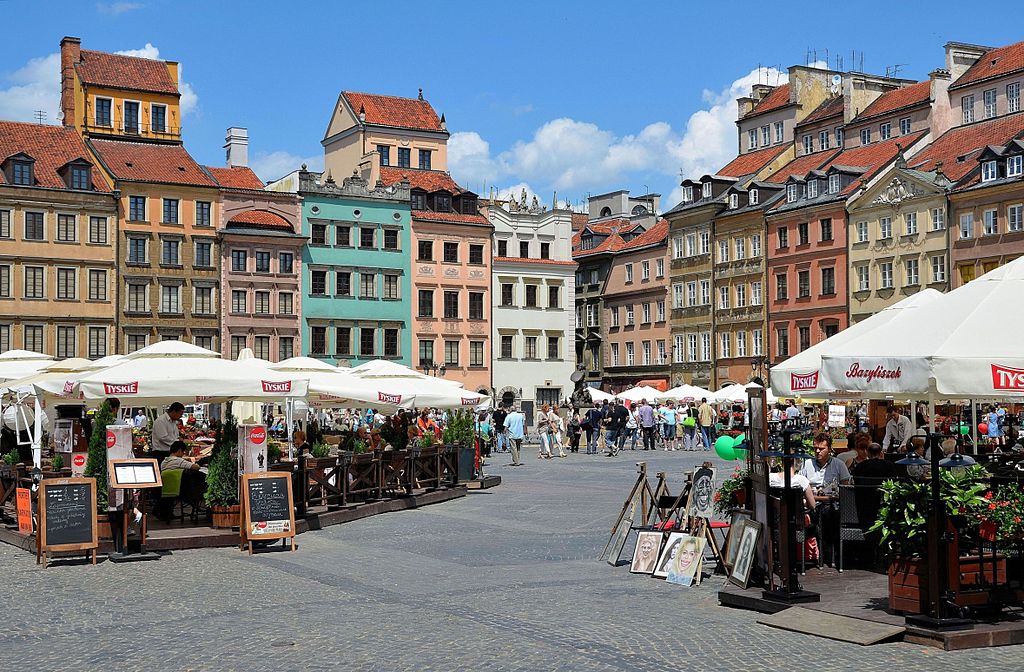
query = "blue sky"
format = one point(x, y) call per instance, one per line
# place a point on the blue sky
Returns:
point(578, 97)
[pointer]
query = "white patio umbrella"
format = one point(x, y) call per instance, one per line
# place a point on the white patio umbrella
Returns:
point(599, 396)
point(248, 411)
point(393, 380)
point(635, 394)
point(16, 364)
point(800, 375)
point(685, 393)
point(382, 368)
point(735, 394)
point(334, 387)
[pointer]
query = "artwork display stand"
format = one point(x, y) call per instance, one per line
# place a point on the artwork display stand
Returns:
point(640, 496)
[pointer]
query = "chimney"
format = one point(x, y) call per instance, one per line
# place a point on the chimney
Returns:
point(759, 91)
point(960, 57)
point(236, 142)
point(70, 54)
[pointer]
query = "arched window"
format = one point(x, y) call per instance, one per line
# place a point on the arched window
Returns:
point(606, 212)
point(639, 210)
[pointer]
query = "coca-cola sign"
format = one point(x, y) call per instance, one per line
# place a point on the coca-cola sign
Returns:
point(120, 388)
point(258, 435)
point(877, 373)
point(78, 461)
point(1007, 378)
point(393, 399)
point(803, 382)
point(111, 439)
point(272, 387)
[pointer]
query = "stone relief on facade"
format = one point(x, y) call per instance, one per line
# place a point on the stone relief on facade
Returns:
point(425, 270)
point(533, 208)
point(897, 192)
point(451, 272)
point(475, 275)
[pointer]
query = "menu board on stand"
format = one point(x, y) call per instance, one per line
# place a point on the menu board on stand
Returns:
point(267, 508)
point(67, 517)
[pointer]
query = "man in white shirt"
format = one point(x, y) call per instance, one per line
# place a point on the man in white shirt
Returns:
point(792, 412)
point(165, 431)
point(898, 430)
point(140, 419)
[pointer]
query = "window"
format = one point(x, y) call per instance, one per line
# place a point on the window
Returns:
point(138, 298)
point(451, 305)
point(677, 295)
point(755, 293)
point(67, 229)
point(531, 296)
point(828, 281)
point(691, 293)
point(503, 249)
point(990, 103)
point(1014, 218)
point(285, 348)
point(803, 233)
point(34, 337)
point(426, 348)
point(989, 171)
point(823, 138)
point(967, 273)
point(751, 139)
point(991, 219)
point(705, 292)
point(476, 254)
point(839, 138)
point(741, 248)
point(238, 301)
point(910, 223)
point(22, 173)
point(723, 252)
point(741, 344)
point(723, 298)
point(262, 303)
point(803, 284)
point(661, 310)
point(424, 159)
point(645, 313)
point(804, 335)
point(137, 250)
point(366, 237)
point(318, 342)
point(285, 261)
point(905, 126)
point(865, 136)
point(553, 349)
point(443, 203)
point(1013, 97)
point(342, 235)
point(506, 346)
point(678, 351)
point(885, 131)
point(913, 276)
point(451, 253)
point(808, 144)
point(755, 245)
point(97, 342)
point(687, 194)
point(691, 347)
point(885, 275)
point(507, 294)
point(97, 285)
point(757, 340)
point(367, 341)
point(137, 208)
point(792, 192)
point(629, 315)
point(741, 295)
point(170, 299)
point(863, 278)
point(705, 346)
point(705, 242)
point(203, 302)
point(342, 283)
point(81, 178)
point(425, 250)
point(766, 136)
point(136, 341)
point(239, 261)
point(826, 229)
point(734, 201)
point(630, 354)
point(833, 183)
point(418, 200)
point(705, 189)
point(938, 219)
point(318, 283)
point(319, 235)
point(35, 287)
point(263, 262)
point(343, 341)
point(553, 296)
point(367, 285)
point(391, 287)
point(524, 249)
point(158, 118)
point(390, 239)
point(34, 226)
point(783, 237)
point(967, 109)
point(261, 347)
point(884, 228)
point(285, 303)
point(782, 342)
point(629, 272)
point(830, 329)
point(171, 252)
point(5, 282)
point(404, 157)
point(659, 268)
point(939, 268)
point(645, 359)
point(725, 345)
point(67, 283)
point(170, 211)
point(781, 287)
point(476, 353)
point(645, 270)
point(66, 337)
point(102, 108)
point(966, 225)
point(779, 131)
point(1014, 165)
point(384, 151)
point(753, 196)
point(812, 189)
point(615, 354)
point(5, 224)
point(451, 352)
point(476, 305)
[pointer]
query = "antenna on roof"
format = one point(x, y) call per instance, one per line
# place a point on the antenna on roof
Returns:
point(40, 116)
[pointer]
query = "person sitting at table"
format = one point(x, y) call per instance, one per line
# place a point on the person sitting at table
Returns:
point(868, 476)
point(917, 447)
point(776, 479)
point(825, 473)
point(177, 459)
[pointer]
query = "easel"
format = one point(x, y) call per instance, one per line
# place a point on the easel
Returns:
point(700, 526)
point(642, 495)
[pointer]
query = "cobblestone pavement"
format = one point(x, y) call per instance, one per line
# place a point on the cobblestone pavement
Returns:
point(501, 580)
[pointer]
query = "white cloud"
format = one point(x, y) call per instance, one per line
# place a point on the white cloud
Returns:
point(148, 51)
point(117, 8)
point(578, 156)
point(274, 165)
point(189, 100)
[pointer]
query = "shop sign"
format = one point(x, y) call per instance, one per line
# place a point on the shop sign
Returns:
point(470, 401)
point(1006, 378)
point(272, 387)
point(803, 382)
point(877, 373)
point(24, 503)
point(393, 399)
point(120, 388)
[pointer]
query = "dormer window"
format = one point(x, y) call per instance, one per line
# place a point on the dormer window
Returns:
point(833, 183)
point(753, 196)
point(1014, 165)
point(21, 172)
point(418, 200)
point(808, 144)
point(812, 189)
point(687, 194)
point(469, 205)
point(989, 171)
point(442, 203)
point(80, 178)
point(792, 193)
point(734, 201)
point(606, 212)
point(705, 189)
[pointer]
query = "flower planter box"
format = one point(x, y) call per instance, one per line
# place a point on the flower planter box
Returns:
point(970, 580)
point(226, 517)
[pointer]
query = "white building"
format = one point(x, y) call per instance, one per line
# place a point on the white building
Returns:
point(533, 290)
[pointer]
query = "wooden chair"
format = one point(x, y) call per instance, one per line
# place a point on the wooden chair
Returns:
point(850, 528)
point(362, 477)
point(393, 465)
point(426, 471)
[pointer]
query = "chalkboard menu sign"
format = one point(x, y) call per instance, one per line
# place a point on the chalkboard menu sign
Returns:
point(67, 516)
point(267, 508)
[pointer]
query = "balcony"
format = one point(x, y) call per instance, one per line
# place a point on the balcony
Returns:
point(734, 269)
point(695, 261)
point(691, 312)
point(735, 315)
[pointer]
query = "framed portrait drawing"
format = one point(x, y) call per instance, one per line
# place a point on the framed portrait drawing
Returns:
point(685, 567)
point(668, 553)
point(745, 553)
point(701, 503)
point(645, 555)
point(732, 539)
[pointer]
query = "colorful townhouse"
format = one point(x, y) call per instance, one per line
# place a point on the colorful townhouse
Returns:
point(58, 226)
point(532, 303)
point(128, 111)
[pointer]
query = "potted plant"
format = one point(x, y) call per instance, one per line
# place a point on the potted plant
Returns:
point(903, 526)
point(222, 477)
point(96, 465)
point(732, 493)
point(1002, 518)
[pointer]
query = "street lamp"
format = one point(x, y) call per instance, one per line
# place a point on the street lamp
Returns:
point(759, 364)
point(430, 368)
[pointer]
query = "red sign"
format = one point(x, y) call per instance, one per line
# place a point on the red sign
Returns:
point(270, 386)
point(258, 435)
point(79, 460)
point(69, 387)
point(871, 374)
point(24, 504)
point(262, 525)
point(111, 439)
point(121, 388)
point(802, 382)
point(470, 401)
point(393, 399)
point(1005, 378)
point(202, 400)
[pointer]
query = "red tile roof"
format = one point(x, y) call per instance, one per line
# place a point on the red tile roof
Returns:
point(958, 147)
point(453, 217)
point(873, 157)
point(147, 162)
point(830, 108)
point(579, 220)
point(801, 166)
point(236, 178)
point(125, 72)
point(614, 243)
point(617, 225)
point(777, 98)
point(897, 99)
point(745, 164)
point(394, 111)
point(52, 147)
point(524, 260)
point(652, 236)
point(427, 180)
point(262, 218)
point(994, 63)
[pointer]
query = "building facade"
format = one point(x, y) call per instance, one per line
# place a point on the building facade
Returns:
point(532, 304)
point(58, 224)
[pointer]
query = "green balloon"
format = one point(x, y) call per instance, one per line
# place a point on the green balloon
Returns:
point(723, 447)
point(965, 428)
point(738, 440)
point(739, 453)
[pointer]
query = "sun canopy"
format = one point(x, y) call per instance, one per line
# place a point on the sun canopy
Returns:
point(685, 393)
point(598, 397)
point(16, 364)
point(636, 394)
point(382, 368)
point(736, 394)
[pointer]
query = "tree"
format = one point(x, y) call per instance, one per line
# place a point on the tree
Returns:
point(96, 463)
point(222, 475)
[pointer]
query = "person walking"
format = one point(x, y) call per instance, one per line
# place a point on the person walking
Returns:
point(514, 425)
point(498, 423)
point(592, 427)
point(706, 418)
point(668, 414)
point(690, 438)
point(574, 430)
point(616, 435)
point(645, 415)
point(557, 428)
point(544, 432)
point(632, 429)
